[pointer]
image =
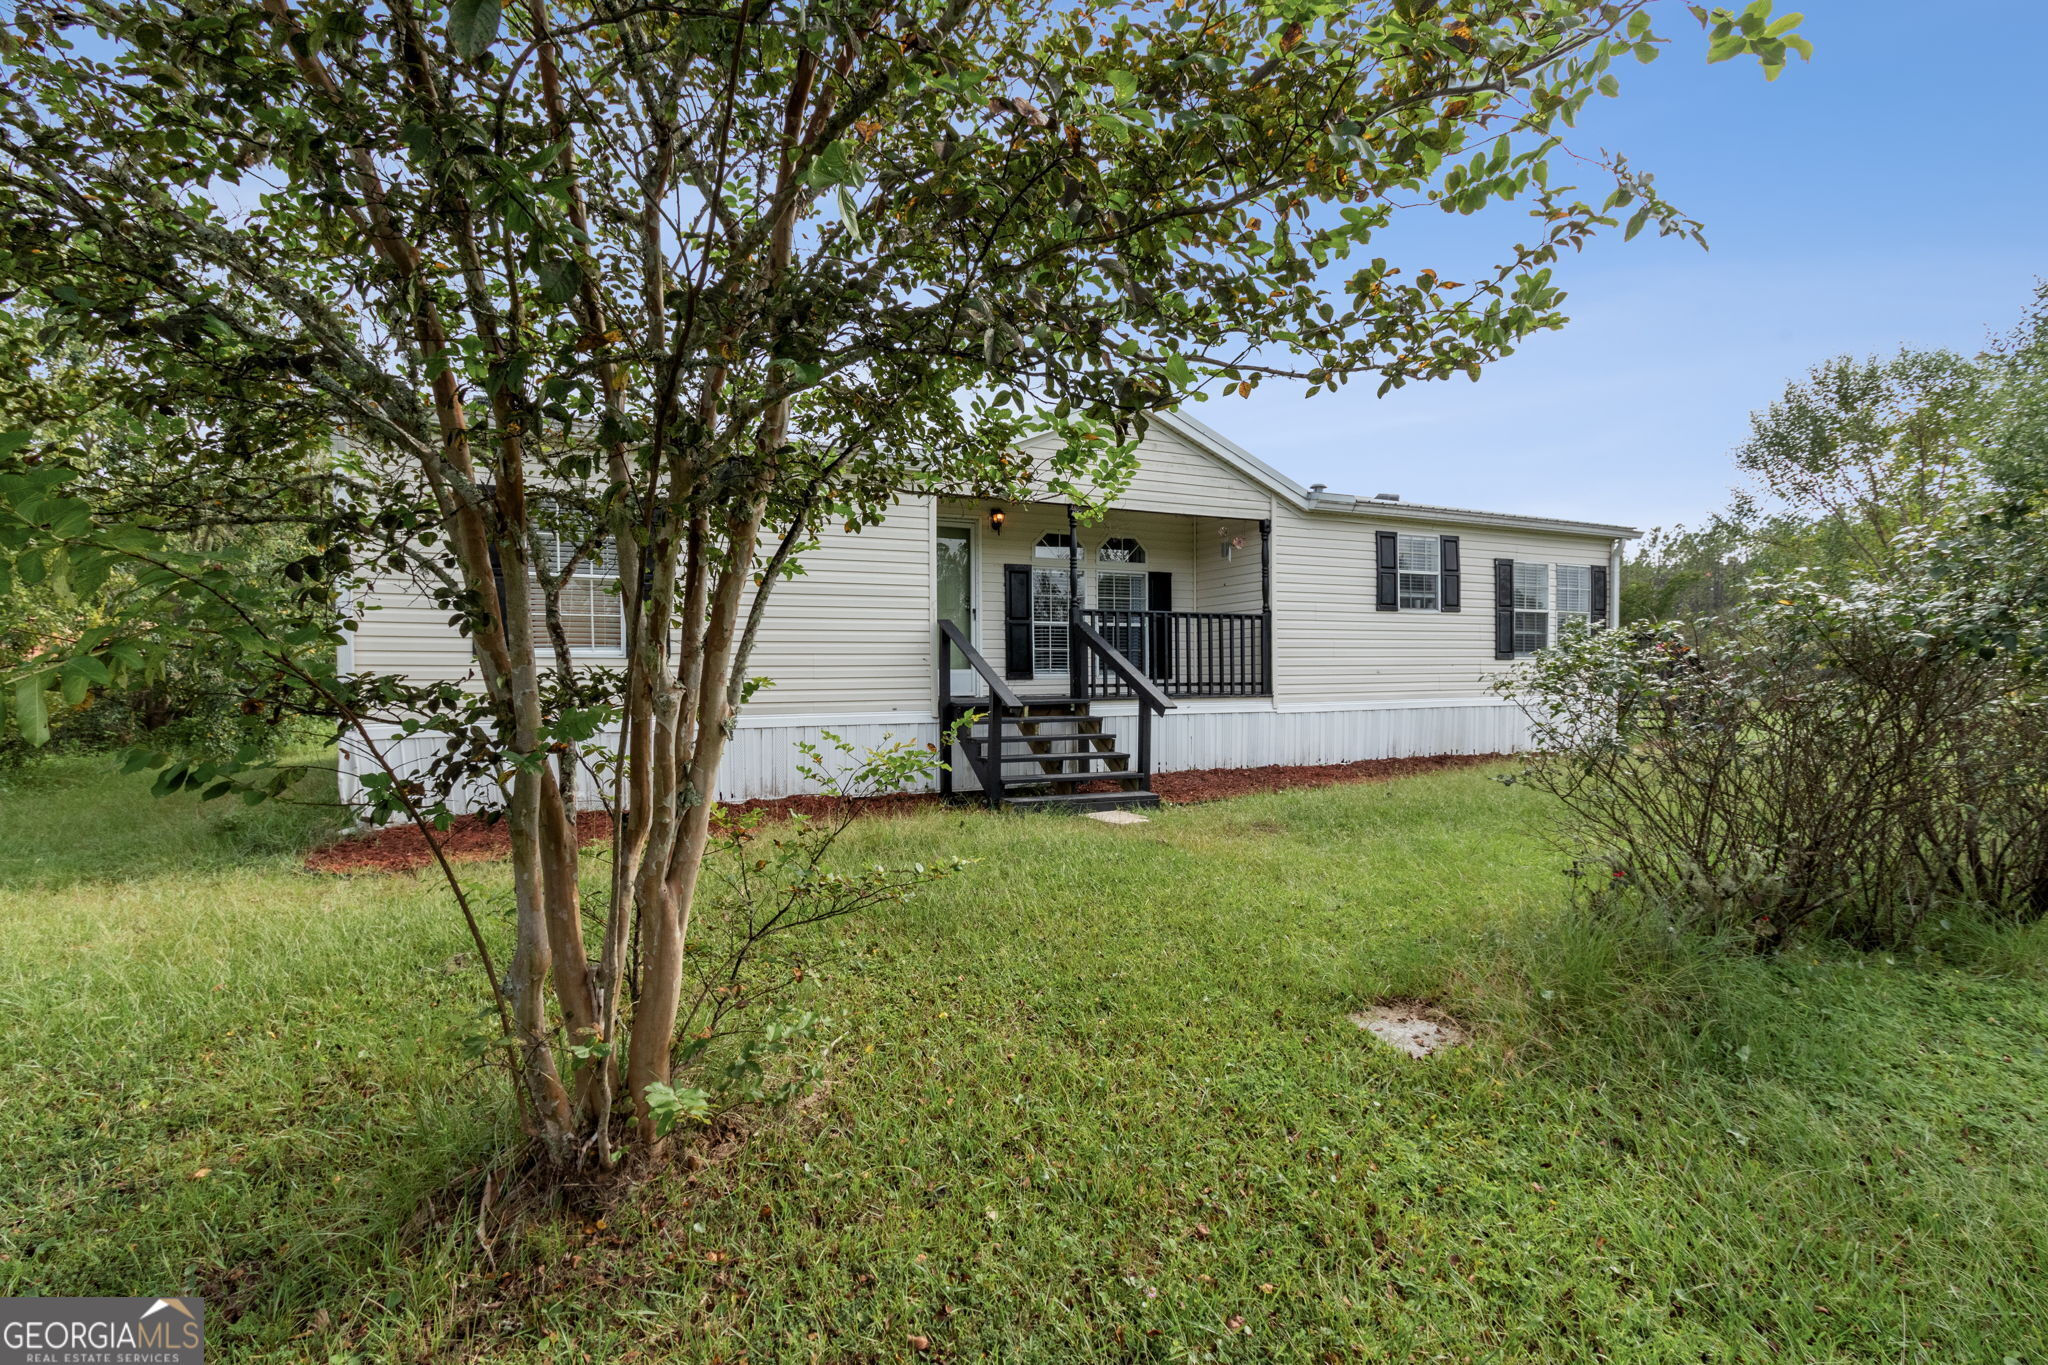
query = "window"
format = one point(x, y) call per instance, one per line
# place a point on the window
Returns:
point(593, 620)
point(1123, 593)
point(1052, 545)
point(1121, 550)
point(1574, 595)
point(1120, 591)
point(1049, 600)
point(1420, 564)
point(1532, 607)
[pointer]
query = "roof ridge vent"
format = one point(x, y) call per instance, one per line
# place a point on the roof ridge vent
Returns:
point(1386, 497)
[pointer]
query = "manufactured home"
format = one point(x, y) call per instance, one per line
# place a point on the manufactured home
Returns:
point(1216, 615)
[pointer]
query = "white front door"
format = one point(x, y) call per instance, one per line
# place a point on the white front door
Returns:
point(958, 598)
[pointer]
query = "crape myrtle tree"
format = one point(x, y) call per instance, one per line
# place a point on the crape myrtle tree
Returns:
point(701, 277)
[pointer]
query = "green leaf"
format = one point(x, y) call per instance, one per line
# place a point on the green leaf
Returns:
point(667, 1105)
point(31, 712)
point(89, 668)
point(473, 26)
point(68, 517)
point(1126, 85)
point(847, 214)
point(559, 280)
point(832, 166)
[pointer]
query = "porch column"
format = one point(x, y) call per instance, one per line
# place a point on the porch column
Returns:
point(1265, 683)
point(1266, 565)
point(1077, 673)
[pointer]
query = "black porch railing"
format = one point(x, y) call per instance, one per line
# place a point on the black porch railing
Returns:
point(1186, 653)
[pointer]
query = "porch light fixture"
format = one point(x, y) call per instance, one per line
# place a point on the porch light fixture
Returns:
point(996, 518)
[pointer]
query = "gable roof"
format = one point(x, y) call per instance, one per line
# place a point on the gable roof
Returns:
point(1229, 453)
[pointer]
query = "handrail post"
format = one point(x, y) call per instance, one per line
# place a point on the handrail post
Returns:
point(945, 720)
point(991, 773)
point(1266, 652)
point(1144, 745)
point(1077, 656)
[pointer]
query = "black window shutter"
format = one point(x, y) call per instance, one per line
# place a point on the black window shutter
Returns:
point(1599, 596)
point(1016, 620)
point(1388, 576)
point(1452, 597)
point(1503, 608)
point(1159, 644)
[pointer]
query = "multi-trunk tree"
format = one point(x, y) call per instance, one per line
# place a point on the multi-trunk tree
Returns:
point(684, 282)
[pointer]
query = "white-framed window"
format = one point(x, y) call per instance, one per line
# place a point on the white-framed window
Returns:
point(593, 619)
point(1053, 545)
point(1121, 591)
point(1420, 564)
point(1574, 595)
point(1050, 597)
point(1121, 550)
point(1532, 606)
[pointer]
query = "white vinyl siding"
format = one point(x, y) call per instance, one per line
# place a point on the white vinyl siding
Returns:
point(1330, 644)
point(1420, 566)
point(1175, 478)
point(402, 630)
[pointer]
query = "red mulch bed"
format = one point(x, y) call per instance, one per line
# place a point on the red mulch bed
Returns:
point(402, 848)
point(1217, 784)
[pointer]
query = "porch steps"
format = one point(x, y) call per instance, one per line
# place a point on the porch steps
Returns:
point(1045, 749)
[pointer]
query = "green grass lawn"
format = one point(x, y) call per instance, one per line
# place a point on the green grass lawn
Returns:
point(1095, 1099)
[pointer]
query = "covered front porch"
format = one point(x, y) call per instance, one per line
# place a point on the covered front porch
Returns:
point(1185, 599)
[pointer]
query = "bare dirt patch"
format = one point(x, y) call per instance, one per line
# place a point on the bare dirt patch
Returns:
point(1412, 1027)
point(403, 848)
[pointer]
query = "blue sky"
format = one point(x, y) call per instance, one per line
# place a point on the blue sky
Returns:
point(1892, 192)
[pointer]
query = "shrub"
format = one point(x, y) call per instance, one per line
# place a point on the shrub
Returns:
point(1843, 765)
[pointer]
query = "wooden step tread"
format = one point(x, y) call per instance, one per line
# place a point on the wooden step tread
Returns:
point(1081, 801)
point(1038, 779)
point(1070, 756)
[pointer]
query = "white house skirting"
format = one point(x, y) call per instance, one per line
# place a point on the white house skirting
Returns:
point(763, 759)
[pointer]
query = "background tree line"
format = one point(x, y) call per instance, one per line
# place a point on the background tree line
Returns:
point(1853, 468)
